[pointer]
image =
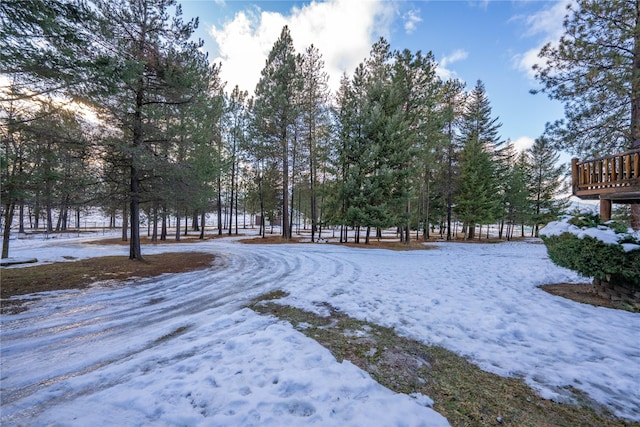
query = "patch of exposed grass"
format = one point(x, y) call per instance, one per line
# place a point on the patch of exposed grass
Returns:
point(81, 273)
point(269, 239)
point(585, 294)
point(462, 392)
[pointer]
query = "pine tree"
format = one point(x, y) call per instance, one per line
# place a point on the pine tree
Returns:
point(236, 112)
point(47, 47)
point(148, 66)
point(453, 101)
point(417, 89)
point(595, 71)
point(276, 110)
point(315, 129)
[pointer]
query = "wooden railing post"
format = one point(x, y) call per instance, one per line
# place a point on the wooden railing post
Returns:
point(574, 175)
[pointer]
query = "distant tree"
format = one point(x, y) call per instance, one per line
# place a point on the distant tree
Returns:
point(418, 90)
point(516, 195)
point(237, 120)
point(315, 129)
point(546, 183)
point(453, 101)
point(16, 163)
point(479, 161)
point(477, 199)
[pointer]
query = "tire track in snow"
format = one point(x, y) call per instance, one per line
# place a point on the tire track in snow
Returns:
point(77, 333)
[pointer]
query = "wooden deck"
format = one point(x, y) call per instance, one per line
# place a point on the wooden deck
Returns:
point(615, 178)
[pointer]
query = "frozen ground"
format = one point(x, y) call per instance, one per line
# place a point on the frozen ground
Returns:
point(182, 350)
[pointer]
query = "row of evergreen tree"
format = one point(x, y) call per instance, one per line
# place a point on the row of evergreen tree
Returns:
point(396, 146)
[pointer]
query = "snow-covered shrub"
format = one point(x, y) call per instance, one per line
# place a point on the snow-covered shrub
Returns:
point(606, 251)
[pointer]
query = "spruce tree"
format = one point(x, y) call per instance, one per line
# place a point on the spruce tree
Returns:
point(516, 195)
point(479, 161)
point(477, 199)
point(546, 183)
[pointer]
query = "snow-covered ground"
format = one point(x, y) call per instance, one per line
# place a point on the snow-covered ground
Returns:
point(182, 350)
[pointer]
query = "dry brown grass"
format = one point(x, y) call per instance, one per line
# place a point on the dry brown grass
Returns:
point(269, 239)
point(82, 273)
point(584, 293)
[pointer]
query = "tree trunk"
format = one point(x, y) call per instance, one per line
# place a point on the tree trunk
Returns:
point(135, 253)
point(186, 223)
point(194, 221)
point(202, 219)
point(163, 230)
point(125, 223)
point(154, 217)
point(21, 217)
point(635, 109)
point(262, 230)
point(178, 223)
point(8, 219)
point(233, 177)
point(286, 233)
point(219, 205)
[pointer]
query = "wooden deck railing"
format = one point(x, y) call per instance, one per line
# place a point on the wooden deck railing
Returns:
point(610, 175)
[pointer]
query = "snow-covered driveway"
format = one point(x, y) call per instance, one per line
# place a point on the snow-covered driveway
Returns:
point(180, 350)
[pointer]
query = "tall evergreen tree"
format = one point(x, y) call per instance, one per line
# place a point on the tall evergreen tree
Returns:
point(418, 90)
point(479, 171)
point(148, 52)
point(546, 183)
point(516, 195)
point(315, 129)
point(276, 109)
point(453, 101)
point(236, 112)
point(477, 199)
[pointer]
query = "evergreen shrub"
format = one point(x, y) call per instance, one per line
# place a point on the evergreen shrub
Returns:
point(607, 252)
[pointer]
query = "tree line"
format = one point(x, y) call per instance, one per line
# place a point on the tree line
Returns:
point(396, 146)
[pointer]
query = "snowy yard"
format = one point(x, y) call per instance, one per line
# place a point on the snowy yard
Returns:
point(182, 350)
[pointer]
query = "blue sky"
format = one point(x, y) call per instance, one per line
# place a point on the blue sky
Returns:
point(493, 41)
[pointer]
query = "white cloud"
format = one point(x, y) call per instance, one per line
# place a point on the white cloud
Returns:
point(546, 24)
point(523, 143)
point(457, 55)
point(411, 20)
point(342, 30)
